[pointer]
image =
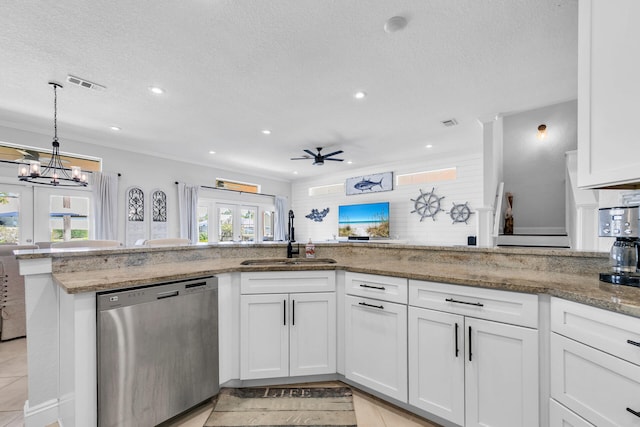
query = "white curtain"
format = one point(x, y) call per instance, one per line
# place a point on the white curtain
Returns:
point(188, 204)
point(280, 221)
point(105, 204)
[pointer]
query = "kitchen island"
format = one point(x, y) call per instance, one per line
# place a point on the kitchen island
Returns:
point(61, 288)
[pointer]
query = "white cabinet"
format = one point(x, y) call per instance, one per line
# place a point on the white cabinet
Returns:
point(287, 334)
point(376, 333)
point(436, 363)
point(562, 417)
point(608, 89)
point(467, 370)
point(594, 364)
point(376, 345)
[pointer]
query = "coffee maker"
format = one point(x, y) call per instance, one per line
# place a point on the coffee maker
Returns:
point(623, 224)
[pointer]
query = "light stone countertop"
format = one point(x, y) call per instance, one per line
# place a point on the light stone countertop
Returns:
point(583, 288)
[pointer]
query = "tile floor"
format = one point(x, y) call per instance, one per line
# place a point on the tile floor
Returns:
point(370, 411)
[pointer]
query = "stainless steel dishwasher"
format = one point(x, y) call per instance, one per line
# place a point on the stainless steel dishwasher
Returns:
point(157, 351)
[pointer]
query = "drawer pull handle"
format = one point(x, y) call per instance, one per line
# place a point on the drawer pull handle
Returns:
point(456, 336)
point(371, 305)
point(470, 354)
point(380, 288)
point(477, 304)
point(637, 344)
point(636, 413)
point(284, 312)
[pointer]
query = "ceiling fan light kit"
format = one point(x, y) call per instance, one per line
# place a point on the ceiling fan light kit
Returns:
point(54, 173)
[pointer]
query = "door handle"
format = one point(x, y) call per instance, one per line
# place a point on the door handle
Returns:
point(456, 337)
point(371, 305)
point(470, 354)
point(293, 312)
point(477, 304)
point(364, 285)
point(284, 312)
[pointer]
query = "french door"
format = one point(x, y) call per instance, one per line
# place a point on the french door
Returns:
point(30, 214)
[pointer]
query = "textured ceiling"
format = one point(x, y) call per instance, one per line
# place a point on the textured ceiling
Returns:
point(231, 68)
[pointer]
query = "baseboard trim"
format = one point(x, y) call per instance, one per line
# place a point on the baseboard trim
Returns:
point(42, 414)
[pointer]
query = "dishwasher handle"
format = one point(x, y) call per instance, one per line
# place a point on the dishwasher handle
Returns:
point(167, 294)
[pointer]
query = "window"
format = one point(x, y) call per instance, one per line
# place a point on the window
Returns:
point(225, 224)
point(203, 224)
point(244, 187)
point(228, 222)
point(9, 217)
point(427, 176)
point(68, 218)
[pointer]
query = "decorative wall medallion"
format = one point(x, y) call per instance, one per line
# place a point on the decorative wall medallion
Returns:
point(460, 212)
point(316, 215)
point(159, 200)
point(135, 204)
point(369, 183)
point(427, 205)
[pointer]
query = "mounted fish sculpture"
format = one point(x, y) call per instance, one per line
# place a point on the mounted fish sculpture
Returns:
point(367, 184)
point(316, 215)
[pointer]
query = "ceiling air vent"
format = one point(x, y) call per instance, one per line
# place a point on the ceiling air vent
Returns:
point(449, 123)
point(84, 83)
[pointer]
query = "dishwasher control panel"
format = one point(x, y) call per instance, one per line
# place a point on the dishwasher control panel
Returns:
point(152, 292)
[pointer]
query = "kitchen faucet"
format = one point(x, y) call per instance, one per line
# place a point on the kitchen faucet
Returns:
point(291, 237)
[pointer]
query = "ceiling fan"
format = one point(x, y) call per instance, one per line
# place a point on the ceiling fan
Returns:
point(319, 158)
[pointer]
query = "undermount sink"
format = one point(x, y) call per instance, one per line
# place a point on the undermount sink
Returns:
point(288, 261)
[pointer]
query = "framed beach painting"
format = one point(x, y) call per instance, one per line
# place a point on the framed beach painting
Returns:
point(373, 183)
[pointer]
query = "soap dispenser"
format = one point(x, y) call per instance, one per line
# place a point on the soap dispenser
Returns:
point(310, 249)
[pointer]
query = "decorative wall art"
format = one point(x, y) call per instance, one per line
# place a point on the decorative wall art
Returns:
point(369, 183)
point(427, 205)
point(135, 226)
point(460, 212)
point(316, 215)
point(159, 224)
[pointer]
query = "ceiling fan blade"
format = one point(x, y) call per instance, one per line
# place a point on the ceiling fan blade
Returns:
point(333, 154)
point(301, 158)
point(335, 160)
point(311, 153)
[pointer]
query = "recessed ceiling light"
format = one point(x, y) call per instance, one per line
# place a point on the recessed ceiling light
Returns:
point(395, 23)
point(114, 128)
point(266, 131)
point(360, 95)
point(295, 172)
point(212, 152)
point(428, 146)
point(157, 90)
point(349, 162)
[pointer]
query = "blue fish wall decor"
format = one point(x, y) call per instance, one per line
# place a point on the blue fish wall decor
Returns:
point(316, 215)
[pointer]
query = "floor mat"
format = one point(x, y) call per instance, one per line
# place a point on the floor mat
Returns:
point(283, 407)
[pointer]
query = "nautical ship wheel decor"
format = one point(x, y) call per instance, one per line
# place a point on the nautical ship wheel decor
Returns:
point(460, 212)
point(427, 205)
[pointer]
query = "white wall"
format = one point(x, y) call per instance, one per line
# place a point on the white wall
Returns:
point(145, 171)
point(534, 170)
point(404, 225)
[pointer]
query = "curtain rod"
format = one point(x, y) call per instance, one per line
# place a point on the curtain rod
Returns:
point(234, 191)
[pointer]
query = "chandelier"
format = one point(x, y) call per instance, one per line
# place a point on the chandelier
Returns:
point(54, 173)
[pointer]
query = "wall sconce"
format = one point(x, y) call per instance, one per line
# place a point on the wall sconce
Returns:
point(542, 132)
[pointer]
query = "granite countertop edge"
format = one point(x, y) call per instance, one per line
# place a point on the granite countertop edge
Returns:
point(579, 288)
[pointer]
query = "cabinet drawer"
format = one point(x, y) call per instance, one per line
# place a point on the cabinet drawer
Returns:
point(273, 282)
point(501, 306)
point(562, 417)
point(599, 387)
point(614, 333)
point(393, 289)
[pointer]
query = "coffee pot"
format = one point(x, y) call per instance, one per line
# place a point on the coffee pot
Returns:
point(623, 224)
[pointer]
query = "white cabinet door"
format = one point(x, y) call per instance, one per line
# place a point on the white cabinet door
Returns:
point(601, 388)
point(608, 89)
point(264, 336)
point(376, 345)
point(501, 386)
point(562, 417)
point(312, 333)
point(436, 363)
